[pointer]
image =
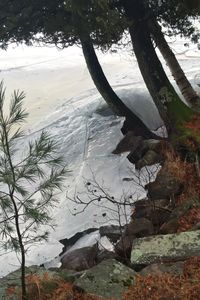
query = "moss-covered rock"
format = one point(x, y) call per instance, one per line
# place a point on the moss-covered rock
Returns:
point(13, 279)
point(165, 247)
point(175, 268)
point(108, 279)
point(165, 186)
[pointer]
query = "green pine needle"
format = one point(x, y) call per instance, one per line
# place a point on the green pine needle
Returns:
point(28, 186)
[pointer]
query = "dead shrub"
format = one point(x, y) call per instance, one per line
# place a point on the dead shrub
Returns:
point(191, 218)
point(168, 286)
point(45, 288)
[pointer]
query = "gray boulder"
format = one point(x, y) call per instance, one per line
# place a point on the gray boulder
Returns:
point(150, 158)
point(112, 232)
point(105, 254)
point(156, 211)
point(80, 259)
point(165, 186)
point(55, 274)
point(130, 142)
point(175, 268)
point(108, 279)
point(168, 247)
point(135, 229)
point(154, 145)
point(139, 227)
point(124, 246)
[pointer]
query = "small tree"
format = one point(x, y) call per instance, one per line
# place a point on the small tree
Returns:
point(28, 185)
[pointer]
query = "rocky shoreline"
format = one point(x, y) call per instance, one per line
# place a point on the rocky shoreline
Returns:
point(164, 232)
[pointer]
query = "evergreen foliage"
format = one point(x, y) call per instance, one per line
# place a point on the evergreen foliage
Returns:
point(102, 23)
point(177, 16)
point(28, 184)
point(62, 22)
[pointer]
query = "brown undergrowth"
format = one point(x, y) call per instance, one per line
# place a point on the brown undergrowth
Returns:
point(190, 219)
point(174, 165)
point(168, 286)
point(187, 174)
point(192, 128)
point(45, 288)
point(191, 183)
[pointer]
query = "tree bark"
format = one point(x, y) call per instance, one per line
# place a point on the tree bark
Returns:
point(170, 106)
point(179, 76)
point(106, 91)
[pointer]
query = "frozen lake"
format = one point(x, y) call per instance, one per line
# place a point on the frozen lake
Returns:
point(61, 98)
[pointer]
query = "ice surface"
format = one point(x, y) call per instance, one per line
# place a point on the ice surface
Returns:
point(62, 99)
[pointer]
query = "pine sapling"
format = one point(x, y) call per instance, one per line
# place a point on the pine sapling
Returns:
point(29, 182)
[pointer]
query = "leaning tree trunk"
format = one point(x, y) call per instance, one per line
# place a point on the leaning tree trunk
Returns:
point(170, 106)
point(179, 76)
point(107, 92)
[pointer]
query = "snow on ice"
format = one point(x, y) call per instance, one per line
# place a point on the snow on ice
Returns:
point(62, 99)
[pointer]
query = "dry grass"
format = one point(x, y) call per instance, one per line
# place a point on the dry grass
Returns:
point(45, 288)
point(185, 172)
point(194, 124)
point(191, 218)
point(174, 165)
point(191, 184)
point(167, 286)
